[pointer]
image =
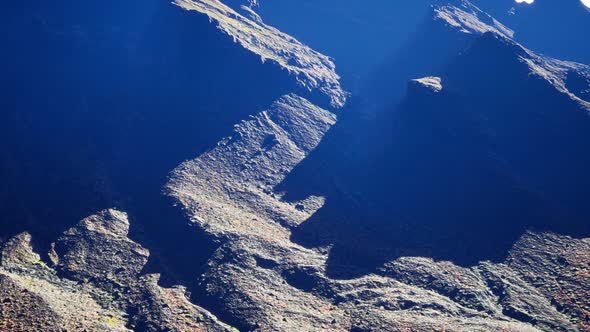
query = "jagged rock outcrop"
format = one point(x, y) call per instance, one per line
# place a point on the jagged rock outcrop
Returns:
point(97, 285)
point(431, 83)
point(136, 80)
point(447, 29)
point(263, 281)
point(558, 267)
point(237, 177)
point(312, 69)
point(98, 249)
point(423, 240)
point(476, 153)
point(467, 18)
point(34, 294)
point(229, 193)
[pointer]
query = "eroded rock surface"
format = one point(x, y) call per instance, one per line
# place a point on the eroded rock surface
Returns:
point(558, 267)
point(96, 285)
point(259, 278)
point(264, 281)
point(60, 302)
point(312, 69)
point(98, 249)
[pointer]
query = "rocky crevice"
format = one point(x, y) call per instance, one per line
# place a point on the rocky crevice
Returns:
point(97, 283)
point(252, 271)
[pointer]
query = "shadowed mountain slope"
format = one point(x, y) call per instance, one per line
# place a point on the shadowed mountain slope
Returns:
point(552, 27)
point(186, 167)
point(460, 168)
point(117, 101)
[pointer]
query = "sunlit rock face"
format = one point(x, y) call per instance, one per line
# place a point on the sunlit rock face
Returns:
point(261, 280)
point(460, 154)
point(118, 85)
point(93, 282)
point(188, 166)
point(548, 26)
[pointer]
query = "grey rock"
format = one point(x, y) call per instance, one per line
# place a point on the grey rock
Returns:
point(98, 249)
point(96, 283)
point(312, 69)
point(557, 266)
point(258, 277)
point(266, 282)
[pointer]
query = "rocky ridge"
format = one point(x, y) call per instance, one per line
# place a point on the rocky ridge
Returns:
point(267, 282)
point(312, 69)
point(259, 278)
point(95, 283)
point(467, 18)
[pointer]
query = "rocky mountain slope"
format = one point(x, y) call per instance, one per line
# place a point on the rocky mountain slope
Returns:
point(96, 138)
point(476, 138)
point(196, 169)
point(547, 26)
point(93, 282)
point(267, 282)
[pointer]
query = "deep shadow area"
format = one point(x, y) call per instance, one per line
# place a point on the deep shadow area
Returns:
point(552, 27)
point(454, 175)
point(101, 101)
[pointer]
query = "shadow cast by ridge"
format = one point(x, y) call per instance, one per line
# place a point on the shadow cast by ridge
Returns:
point(458, 174)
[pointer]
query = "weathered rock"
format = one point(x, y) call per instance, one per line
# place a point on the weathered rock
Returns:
point(461, 285)
point(229, 192)
point(98, 249)
point(169, 309)
point(558, 266)
point(463, 16)
point(520, 301)
point(97, 285)
point(21, 310)
point(312, 69)
point(60, 303)
point(433, 84)
point(259, 278)
point(263, 281)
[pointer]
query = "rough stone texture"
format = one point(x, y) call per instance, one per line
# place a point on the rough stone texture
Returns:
point(228, 192)
point(258, 278)
point(312, 69)
point(20, 309)
point(431, 83)
point(461, 285)
point(558, 266)
point(264, 281)
point(519, 300)
point(63, 304)
point(467, 18)
point(98, 249)
point(96, 285)
point(169, 309)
